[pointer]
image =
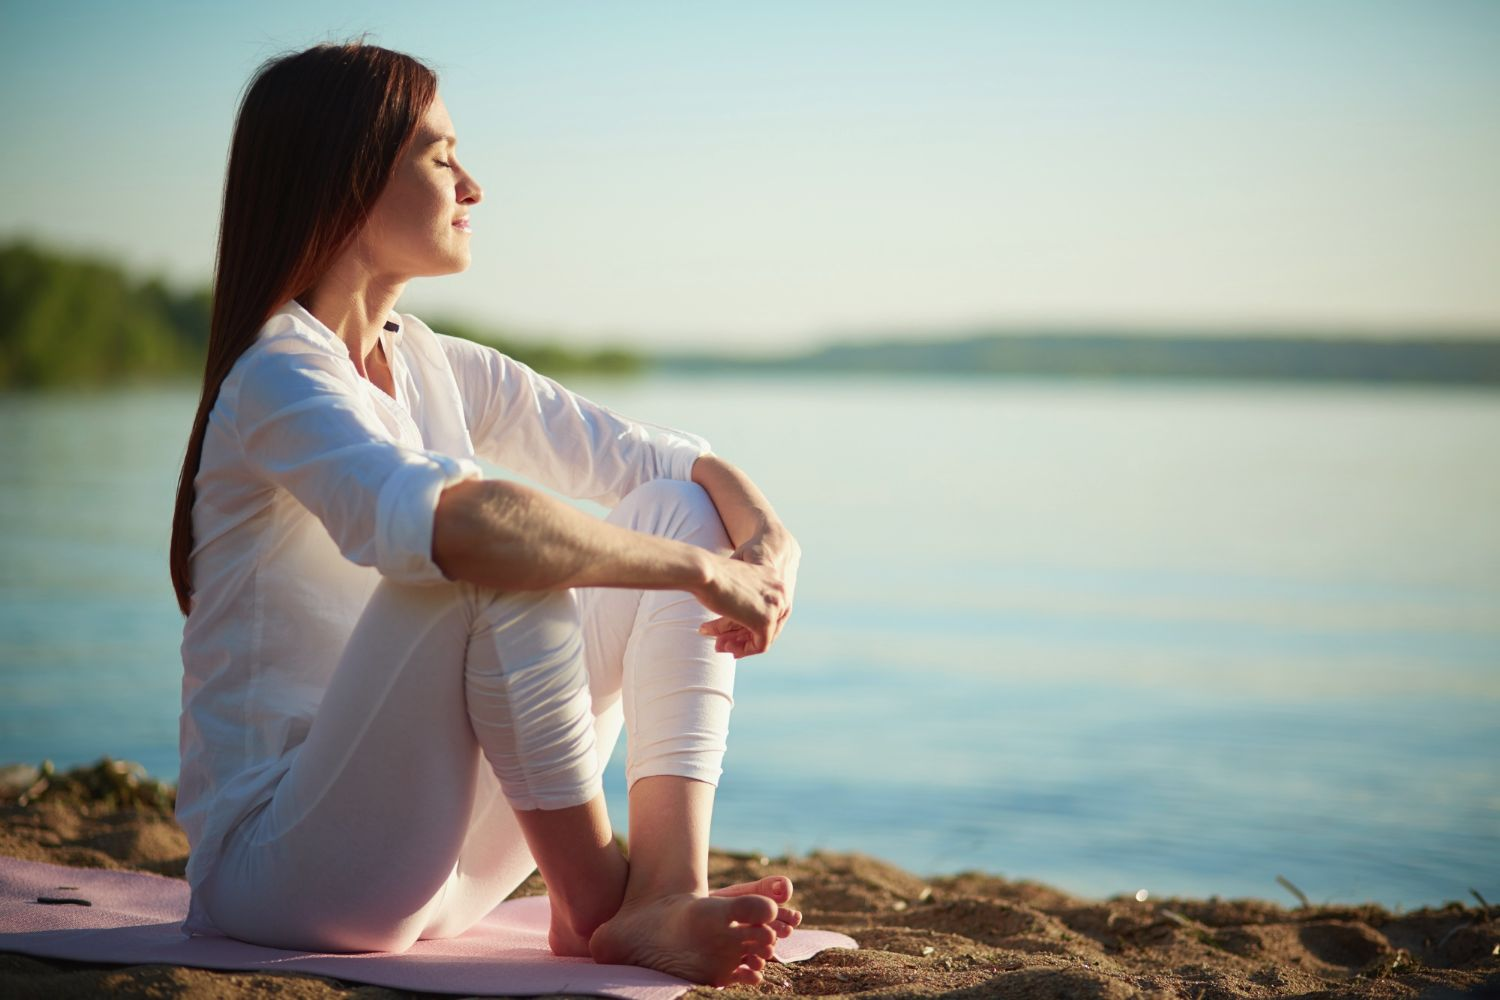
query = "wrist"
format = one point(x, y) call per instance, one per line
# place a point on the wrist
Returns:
point(699, 569)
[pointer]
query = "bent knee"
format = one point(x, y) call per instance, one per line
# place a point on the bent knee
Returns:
point(671, 493)
point(673, 508)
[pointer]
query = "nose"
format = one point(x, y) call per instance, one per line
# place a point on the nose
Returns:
point(473, 194)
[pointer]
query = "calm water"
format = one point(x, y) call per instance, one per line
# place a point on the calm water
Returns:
point(1182, 637)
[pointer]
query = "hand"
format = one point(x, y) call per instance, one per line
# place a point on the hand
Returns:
point(748, 596)
point(782, 556)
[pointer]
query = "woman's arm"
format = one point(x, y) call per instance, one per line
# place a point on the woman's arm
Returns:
point(528, 423)
point(759, 538)
point(745, 511)
point(507, 536)
point(533, 425)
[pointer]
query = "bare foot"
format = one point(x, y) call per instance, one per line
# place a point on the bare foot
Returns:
point(779, 888)
point(564, 940)
point(718, 940)
point(567, 942)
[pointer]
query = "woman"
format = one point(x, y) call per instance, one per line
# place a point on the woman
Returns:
point(402, 681)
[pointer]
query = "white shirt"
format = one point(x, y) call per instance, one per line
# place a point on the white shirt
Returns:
point(313, 484)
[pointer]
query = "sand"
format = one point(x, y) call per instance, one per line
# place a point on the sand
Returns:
point(967, 935)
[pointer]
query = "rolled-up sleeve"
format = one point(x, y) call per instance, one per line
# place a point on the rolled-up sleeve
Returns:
point(303, 427)
point(531, 424)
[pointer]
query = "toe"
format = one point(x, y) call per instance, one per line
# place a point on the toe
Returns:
point(760, 932)
point(752, 909)
point(778, 887)
point(744, 976)
point(759, 940)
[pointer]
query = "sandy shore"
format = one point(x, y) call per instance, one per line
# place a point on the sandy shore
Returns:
point(970, 935)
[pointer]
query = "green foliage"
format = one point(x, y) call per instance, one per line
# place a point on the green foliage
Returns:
point(81, 321)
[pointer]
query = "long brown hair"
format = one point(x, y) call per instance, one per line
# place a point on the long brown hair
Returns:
point(317, 137)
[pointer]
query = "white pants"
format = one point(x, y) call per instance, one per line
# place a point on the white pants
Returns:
point(451, 706)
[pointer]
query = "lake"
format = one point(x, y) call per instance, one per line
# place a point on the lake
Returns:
point(1179, 636)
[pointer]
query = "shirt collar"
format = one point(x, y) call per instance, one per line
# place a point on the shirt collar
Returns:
point(394, 327)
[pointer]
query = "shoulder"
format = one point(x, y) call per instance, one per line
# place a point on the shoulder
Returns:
point(289, 359)
point(469, 360)
point(283, 340)
point(420, 336)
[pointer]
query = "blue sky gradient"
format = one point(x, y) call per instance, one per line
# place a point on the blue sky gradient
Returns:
point(775, 175)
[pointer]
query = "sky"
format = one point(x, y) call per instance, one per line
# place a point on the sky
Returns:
point(772, 176)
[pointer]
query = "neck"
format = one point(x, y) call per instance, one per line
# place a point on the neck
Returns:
point(355, 313)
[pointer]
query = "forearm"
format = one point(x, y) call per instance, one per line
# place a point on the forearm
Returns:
point(507, 536)
point(742, 507)
point(760, 540)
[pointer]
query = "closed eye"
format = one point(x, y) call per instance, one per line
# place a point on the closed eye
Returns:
point(444, 163)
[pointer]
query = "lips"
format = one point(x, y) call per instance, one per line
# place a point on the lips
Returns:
point(463, 224)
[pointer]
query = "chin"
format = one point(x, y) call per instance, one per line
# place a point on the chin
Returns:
point(452, 266)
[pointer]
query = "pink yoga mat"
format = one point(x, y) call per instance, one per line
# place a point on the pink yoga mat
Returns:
point(136, 919)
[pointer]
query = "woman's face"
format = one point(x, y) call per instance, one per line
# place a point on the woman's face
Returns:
point(411, 230)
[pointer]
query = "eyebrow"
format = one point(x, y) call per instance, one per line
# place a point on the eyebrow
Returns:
point(442, 138)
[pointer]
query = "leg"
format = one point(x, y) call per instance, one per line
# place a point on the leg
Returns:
point(677, 693)
point(356, 849)
point(641, 648)
point(368, 834)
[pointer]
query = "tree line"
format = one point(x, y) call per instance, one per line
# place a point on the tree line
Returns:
point(1428, 356)
point(74, 320)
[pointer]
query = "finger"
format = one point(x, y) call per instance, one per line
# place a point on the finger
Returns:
point(736, 631)
point(772, 633)
point(718, 626)
point(734, 643)
point(732, 634)
point(733, 628)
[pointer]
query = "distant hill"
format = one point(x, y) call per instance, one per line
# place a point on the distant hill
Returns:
point(1413, 357)
point(79, 320)
point(82, 320)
